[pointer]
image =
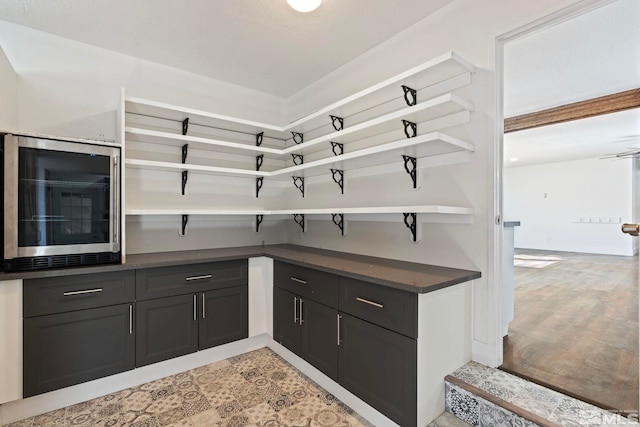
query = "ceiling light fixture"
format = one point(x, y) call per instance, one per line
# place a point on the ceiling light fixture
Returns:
point(304, 5)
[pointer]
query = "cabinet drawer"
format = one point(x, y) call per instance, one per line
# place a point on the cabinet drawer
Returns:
point(69, 293)
point(387, 307)
point(307, 282)
point(181, 279)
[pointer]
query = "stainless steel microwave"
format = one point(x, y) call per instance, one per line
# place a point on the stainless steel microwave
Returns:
point(61, 203)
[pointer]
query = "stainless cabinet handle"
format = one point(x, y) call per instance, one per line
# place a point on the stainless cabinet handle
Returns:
point(130, 319)
point(295, 309)
point(366, 301)
point(302, 282)
point(195, 307)
point(204, 307)
point(86, 291)
point(205, 276)
point(339, 317)
point(301, 319)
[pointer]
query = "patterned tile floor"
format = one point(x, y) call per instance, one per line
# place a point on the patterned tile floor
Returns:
point(254, 389)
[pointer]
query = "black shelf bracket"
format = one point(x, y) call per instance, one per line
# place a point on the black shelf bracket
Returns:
point(259, 139)
point(410, 95)
point(298, 138)
point(185, 152)
point(185, 221)
point(259, 181)
point(410, 165)
point(298, 159)
point(185, 177)
point(338, 178)
point(338, 148)
point(185, 126)
point(259, 219)
point(299, 219)
point(410, 129)
point(298, 181)
point(337, 122)
point(338, 219)
point(259, 161)
point(410, 220)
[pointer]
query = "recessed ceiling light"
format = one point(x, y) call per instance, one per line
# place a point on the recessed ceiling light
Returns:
point(304, 5)
point(513, 159)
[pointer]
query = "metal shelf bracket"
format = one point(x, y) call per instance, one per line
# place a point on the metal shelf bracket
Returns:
point(410, 220)
point(410, 165)
point(299, 219)
point(298, 138)
point(259, 161)
point(185, 126)
point(185, 152)
point(410, 95)
point(259, 139)
point(338, 178)
point(259, 219)
point(410, 129)
point(337, 122)
point(338, 219)
point(298, 159)
point(183, 229)
point(185, 177)
point(259, 182)
point(338, 148)
point(298, 181)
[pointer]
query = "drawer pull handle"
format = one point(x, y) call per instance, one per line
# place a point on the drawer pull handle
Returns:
point(86, 291)
point(302, 282)
point(366, 301)
point(205, 276)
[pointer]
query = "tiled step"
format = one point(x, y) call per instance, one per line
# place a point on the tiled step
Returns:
point(483, 396)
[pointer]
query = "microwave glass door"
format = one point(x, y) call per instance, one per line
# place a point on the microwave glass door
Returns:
point(63, 198)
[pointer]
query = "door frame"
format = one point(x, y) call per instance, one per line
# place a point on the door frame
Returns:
point(495, 348)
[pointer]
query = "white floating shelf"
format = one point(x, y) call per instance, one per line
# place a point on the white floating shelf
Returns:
point(427, 110)
point(431, 144)
point(424, 209)
point(178, 167)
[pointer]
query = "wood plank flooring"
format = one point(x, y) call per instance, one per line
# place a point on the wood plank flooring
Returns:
point(576, 326)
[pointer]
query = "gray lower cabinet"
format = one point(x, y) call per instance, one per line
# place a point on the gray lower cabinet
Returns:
point(308, 329)
point(363, 335)
point(77, 329)
point(186, 308)
point(380, 367)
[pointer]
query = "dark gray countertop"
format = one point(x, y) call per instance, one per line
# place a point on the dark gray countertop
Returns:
point(408, 276)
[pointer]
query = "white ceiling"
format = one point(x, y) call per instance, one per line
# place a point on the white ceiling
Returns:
point(259, 44)
point(592, 55)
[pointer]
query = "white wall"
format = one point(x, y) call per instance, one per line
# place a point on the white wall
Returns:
point(469, 28)
point(558, 204)
point(9, 93)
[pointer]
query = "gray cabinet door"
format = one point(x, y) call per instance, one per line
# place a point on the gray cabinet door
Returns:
point(224, 316)
point(166, 328)
point(70, 348)
point(319, 337)
point(286, 329)
point(379, 366)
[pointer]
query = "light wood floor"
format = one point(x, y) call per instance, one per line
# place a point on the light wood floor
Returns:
point(576, 326)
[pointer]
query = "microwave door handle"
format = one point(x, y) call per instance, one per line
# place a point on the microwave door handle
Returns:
point(116, 200)
point(10, 196)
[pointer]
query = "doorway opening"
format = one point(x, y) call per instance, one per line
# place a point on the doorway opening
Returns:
point(568, 187)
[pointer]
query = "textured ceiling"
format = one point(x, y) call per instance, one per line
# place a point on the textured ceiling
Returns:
point(259, 44)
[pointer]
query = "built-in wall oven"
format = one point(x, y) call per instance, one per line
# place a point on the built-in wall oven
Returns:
point(61, 203)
